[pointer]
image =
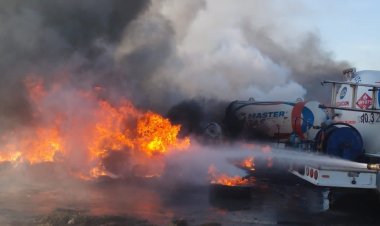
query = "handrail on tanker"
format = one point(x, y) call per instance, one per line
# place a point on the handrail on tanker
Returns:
point(350, 83)
point(354, 86)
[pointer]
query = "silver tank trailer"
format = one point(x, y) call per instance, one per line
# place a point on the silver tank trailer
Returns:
point(276, 119)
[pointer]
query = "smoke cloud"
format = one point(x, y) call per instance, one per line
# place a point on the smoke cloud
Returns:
point(160, 53)
point(227, 50)
point(55, 39)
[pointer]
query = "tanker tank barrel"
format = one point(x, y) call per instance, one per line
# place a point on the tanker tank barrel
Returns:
point(373, 167)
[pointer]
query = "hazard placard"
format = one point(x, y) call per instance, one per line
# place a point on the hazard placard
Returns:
point(364, 102)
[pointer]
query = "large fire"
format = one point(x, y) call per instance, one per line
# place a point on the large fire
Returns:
point(223, 179)
point(82, 129)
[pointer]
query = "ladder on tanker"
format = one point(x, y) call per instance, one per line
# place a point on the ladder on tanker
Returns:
point(354, 86)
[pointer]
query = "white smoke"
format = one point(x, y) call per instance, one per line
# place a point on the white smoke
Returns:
point(232, 50)
point(159, 53)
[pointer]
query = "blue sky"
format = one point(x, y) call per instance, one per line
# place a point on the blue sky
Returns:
point(349, 28)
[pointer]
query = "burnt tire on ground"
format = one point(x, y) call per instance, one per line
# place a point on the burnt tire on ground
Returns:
point(220, 191)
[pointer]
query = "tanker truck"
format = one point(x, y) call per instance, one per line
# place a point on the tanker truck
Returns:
point(347, 128)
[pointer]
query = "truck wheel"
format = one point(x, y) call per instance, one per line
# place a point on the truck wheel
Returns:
point(213, 131)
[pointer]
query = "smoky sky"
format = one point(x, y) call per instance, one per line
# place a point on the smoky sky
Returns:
point(45, 38)
point(309, 62)
point(159, 53)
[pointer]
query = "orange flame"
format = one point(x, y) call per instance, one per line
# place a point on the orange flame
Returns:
point(223, 179)
point(75, 126)
point(248, 163)
point(157, 135)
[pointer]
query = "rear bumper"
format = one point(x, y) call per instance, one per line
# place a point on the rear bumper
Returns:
point(337, 177)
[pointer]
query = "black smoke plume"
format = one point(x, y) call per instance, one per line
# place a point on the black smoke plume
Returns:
point(159, 53)
point(69, 38)
point(194, 115)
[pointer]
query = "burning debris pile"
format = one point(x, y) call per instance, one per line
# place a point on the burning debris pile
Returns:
point(258, 163)
point(83, 131)
point(224, 186)
point(223, 179)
